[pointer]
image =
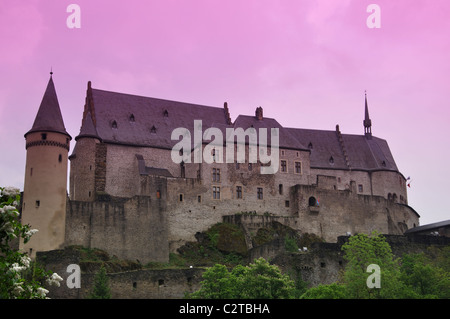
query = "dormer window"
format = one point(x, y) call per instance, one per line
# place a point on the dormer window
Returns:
point(153, 129)
point(331, 160)
point(383, 163)
point(310, 146)
point(166, 113)
point(132, 119)
point(114, 124)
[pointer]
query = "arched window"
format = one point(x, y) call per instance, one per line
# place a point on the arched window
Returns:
point(312, 201)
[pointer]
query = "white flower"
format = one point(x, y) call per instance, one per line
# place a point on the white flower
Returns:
point(54, 279)
point(17, 290)
point(11, 191)
point(25, 260)
point(31, 232)
point(42, 292)
point(17, 268)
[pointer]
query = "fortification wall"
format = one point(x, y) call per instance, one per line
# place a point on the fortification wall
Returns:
point(339, 212)
point(134, 228)
point(133, 284)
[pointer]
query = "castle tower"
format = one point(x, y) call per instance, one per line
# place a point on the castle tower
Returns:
point(45, 187)
point(367, 122)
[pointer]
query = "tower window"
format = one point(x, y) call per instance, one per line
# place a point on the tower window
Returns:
point(280, 189)
point(259, 194)
point(38, 203)
point(312, 201)
point(60, 158)
point(216, 192)
point(283, 166)
point(360, 188)
point(216, 174)
point(298, 167)
point(181, 197)
point(44, 136)
point(239, 192)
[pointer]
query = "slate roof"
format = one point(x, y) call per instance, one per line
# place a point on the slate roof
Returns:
point(144, 121)
point(285, 139)
point(428, 227)
point(363, 153)
point(49, 118)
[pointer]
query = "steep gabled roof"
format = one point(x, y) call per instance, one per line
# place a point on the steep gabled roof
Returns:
point(363, 153)
point(144, 121)
point(49, 118)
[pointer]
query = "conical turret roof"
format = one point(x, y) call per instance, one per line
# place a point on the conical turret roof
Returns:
point(49, 116)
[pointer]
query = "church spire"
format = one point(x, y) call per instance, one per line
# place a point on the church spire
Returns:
point(367, 122)
point(49, 116)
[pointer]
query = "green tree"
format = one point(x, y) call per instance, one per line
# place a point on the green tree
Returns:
point(259, 280)
point(363, 250)
point(425, 277)
point(101, 288)
point(20, 278)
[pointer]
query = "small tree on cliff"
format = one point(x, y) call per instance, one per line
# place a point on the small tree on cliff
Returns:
point(101, 285)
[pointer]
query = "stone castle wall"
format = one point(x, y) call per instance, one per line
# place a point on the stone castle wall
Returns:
point(134, 228)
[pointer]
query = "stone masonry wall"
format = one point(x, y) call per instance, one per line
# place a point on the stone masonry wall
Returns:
point(132, 229)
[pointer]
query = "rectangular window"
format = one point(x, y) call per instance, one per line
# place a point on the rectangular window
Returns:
point(283, 166)
point(360, 188)
point(286, 203)
point(38, 203)
point(199, 198)
point(298, 167)
point(216, 192)
point(216, 174)
point(260, 193)
point(181, 197)
point(239, 192)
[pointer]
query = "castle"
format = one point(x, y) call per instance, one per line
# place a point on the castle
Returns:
point(128, 197)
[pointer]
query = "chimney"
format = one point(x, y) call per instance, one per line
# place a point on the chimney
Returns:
point(259, 113)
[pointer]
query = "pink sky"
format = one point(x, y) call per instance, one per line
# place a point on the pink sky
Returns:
point(306, 62)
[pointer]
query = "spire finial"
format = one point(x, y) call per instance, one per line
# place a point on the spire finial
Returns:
point(367, 122)
point(51, 71)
